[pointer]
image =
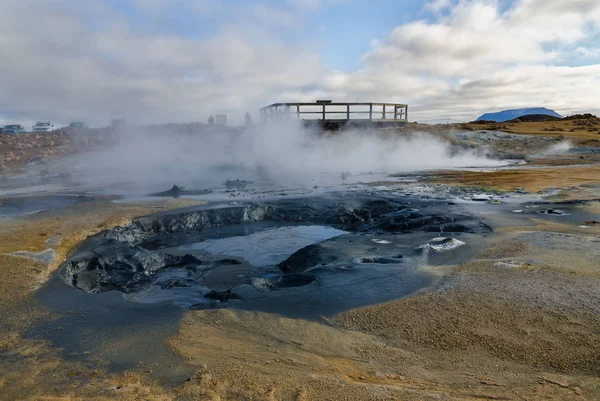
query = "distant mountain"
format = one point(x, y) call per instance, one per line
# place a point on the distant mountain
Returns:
point(534, 118)
point(508, 115)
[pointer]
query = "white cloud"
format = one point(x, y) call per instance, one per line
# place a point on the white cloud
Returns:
point(438, 5)
point(477, 38)
point(479, 58)
point(86, 61)
point(62, 71)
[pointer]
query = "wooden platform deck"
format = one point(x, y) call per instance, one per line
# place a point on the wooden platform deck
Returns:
point(330, 115)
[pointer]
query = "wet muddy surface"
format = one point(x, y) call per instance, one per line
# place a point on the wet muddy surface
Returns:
point(299, 257)
point(309, 257)
point(105, 327)
point(305, 257)
point(179, 298)
point(18, 206)
point(122, 293)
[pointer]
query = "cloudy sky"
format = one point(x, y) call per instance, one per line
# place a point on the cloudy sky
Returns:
point(182, 60)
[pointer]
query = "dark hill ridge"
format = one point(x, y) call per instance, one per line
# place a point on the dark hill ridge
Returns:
point(507, 115)
point(586, 116)
point(534, 118)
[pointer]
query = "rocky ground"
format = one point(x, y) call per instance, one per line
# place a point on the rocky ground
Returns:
point(519, 320)
point(19, 150)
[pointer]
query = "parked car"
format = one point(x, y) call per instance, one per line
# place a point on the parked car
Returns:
point(77, 125)
point(13, 129)
point(43, 126)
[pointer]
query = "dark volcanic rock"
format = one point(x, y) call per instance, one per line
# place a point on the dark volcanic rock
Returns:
point(307, 257)
point(176, 192)
point(379, 260)
point(178, 282)
point(359, 213)
point(222, 296)
point(117, 266)
point(295, 280)
point(126, 258)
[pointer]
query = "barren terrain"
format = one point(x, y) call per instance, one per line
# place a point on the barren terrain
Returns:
point(519, 320)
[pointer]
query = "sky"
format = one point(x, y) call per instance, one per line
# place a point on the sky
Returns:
point(158, 61)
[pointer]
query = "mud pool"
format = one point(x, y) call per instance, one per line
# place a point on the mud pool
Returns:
point(267, 247)
point(306, 257)
point(309, 257)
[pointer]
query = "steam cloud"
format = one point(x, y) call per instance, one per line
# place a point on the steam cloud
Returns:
point(558, 148)
point(285, 155)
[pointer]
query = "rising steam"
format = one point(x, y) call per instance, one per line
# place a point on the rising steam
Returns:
point(282, 154)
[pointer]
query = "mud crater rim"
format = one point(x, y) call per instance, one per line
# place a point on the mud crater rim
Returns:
point(130, 258)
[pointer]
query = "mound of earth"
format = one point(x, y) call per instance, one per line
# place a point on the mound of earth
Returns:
point(586, 116)
point(534, 118)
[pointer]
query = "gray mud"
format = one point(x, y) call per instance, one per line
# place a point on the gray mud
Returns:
point(105, 327)
point(299, 257)
point(310, 258)
point(122, 292)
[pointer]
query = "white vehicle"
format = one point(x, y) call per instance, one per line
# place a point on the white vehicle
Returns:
point(43, 126)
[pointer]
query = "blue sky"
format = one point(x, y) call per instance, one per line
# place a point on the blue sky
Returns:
point(342, 30)
point(182, 60)
point(347, 30)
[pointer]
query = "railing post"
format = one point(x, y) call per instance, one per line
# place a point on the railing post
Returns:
point(323, 112)
point(298, 111)
point(371, 112)
point(395, 112)
point(347, 112)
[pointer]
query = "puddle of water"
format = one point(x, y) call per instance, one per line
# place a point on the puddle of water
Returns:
point(261, 245)
point(268, 247)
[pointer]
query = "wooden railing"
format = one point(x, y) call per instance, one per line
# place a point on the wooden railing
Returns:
point(329, 111)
